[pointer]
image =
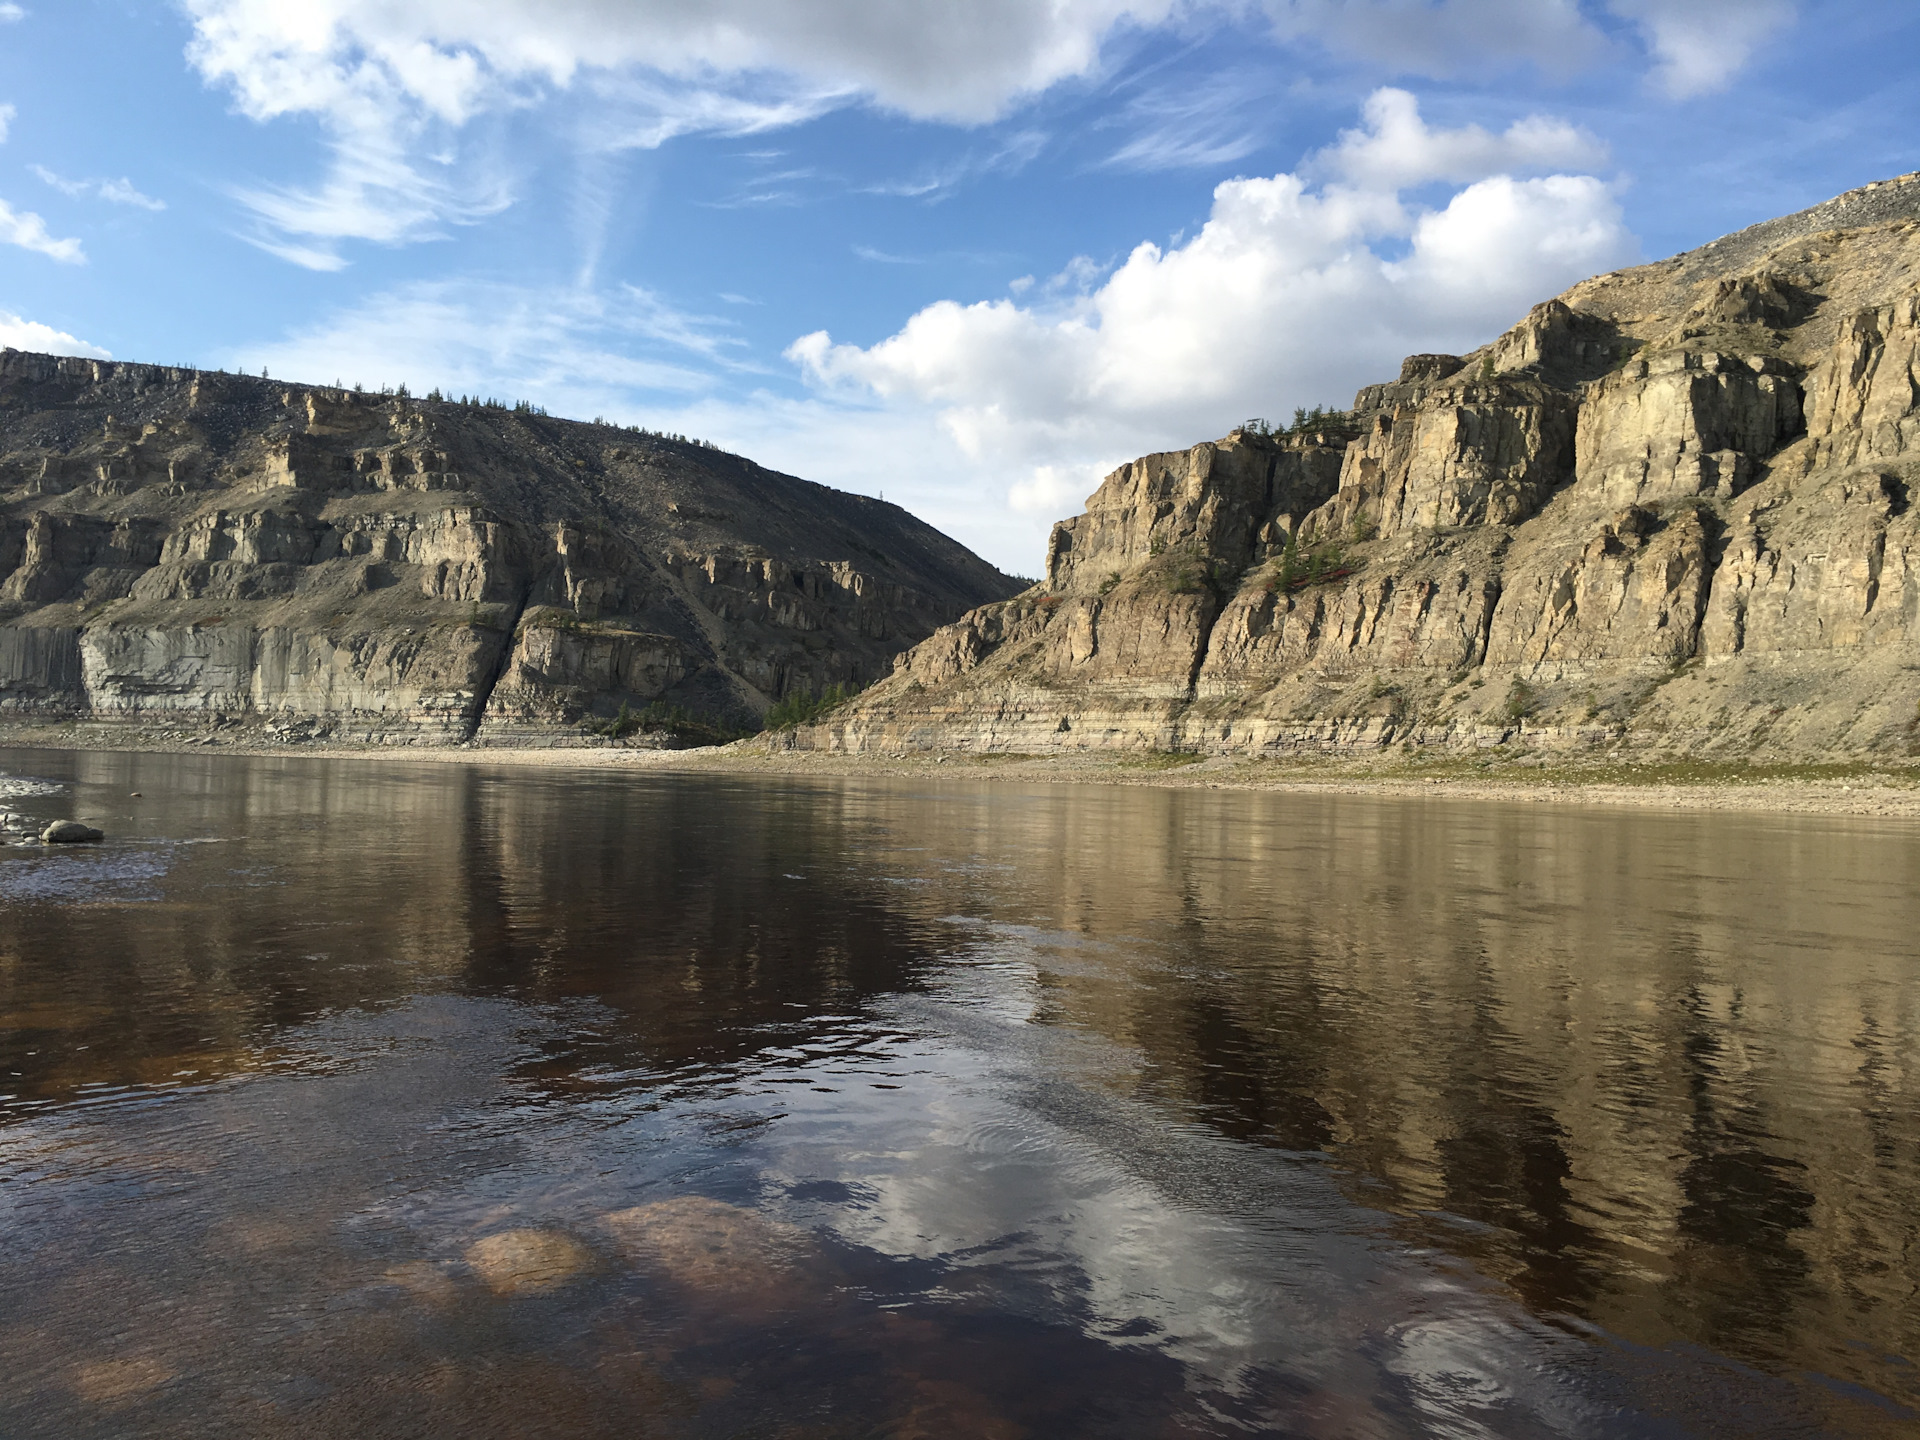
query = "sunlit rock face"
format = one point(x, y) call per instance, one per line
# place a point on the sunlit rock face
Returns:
point(177, 546)
point(1669, 508)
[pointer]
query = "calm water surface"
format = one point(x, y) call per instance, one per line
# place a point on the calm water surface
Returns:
point(362, 1099)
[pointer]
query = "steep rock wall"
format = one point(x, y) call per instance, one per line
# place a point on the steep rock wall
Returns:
point(187, 546)
point(1669, 510)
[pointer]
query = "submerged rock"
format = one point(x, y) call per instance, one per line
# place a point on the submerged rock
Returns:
point(707, 1244)
point(426, 1280)
point(521, 1262)
point(71, 832)
point(115, 1382)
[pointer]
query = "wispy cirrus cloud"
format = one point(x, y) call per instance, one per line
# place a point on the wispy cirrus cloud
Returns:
point(396, 87)
point(1177, 128)
point(1012, 154)
point(114, 192)
point(394, 84)
point(579, 350)
point(374, 191)
point(968, 257)
point(772, 187)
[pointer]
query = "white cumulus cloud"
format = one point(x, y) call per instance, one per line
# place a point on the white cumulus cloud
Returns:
point(1288, 295)
point(1698, 46)
point(964, 60)
point(1395, 149)
point(19, 334)
point(29, 232)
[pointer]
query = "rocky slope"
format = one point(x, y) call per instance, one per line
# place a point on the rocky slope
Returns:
point(204, 548)
point(1669, 509)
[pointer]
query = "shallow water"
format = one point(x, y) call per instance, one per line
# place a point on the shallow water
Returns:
point(370, 1099)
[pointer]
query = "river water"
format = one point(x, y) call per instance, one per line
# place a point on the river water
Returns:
point(381, 1099)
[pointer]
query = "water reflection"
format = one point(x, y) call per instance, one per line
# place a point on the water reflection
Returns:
point(544, 1103)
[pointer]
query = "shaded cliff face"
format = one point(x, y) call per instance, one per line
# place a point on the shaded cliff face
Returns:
point(187, 545)
point(1671, 506)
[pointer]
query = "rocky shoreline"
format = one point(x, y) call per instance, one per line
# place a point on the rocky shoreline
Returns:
point(1885, 790)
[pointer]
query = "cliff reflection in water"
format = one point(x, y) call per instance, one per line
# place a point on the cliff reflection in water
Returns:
point(295, 890)
point(1650, 1072)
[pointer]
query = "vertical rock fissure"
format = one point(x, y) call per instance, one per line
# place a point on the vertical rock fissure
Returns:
point(1207, 627)
point(484, 695)
point(1718, 537)
point(1484, 641)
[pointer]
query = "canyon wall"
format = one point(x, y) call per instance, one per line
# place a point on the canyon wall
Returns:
point(1667, 511)
point(202, 549)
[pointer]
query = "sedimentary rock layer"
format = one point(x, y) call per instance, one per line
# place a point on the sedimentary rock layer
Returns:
point(183, 545)
point(1669, 508)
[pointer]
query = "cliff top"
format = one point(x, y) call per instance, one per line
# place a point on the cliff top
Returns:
point(220, 434)
point(1855, 250)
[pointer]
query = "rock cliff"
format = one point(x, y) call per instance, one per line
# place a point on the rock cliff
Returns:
point(1668, 509)
point(202, 548)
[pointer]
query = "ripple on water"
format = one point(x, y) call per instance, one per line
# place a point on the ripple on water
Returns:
point(97, 876)
point(19, 787)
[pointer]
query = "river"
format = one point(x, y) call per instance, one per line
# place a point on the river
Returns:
point(375, 1098)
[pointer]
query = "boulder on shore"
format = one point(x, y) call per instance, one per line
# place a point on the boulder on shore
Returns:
point(71, 832)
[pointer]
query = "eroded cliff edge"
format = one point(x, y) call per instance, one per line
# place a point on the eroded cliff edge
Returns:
point(1667, 510)
point(196, 548)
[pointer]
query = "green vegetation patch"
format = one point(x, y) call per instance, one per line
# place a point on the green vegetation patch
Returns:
point(679, 725)
point(1300, 566)
point(800, 706)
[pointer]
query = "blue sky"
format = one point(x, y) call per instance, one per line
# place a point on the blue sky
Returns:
point(966, 253)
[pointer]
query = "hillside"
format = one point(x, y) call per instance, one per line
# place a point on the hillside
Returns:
point(1667, 511)
point(205, 549)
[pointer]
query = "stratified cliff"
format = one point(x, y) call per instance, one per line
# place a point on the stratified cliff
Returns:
point(186, 546)
point(1669, 508)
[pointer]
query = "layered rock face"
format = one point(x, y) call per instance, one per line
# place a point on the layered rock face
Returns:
point(1670, 507)
point(188, 546)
